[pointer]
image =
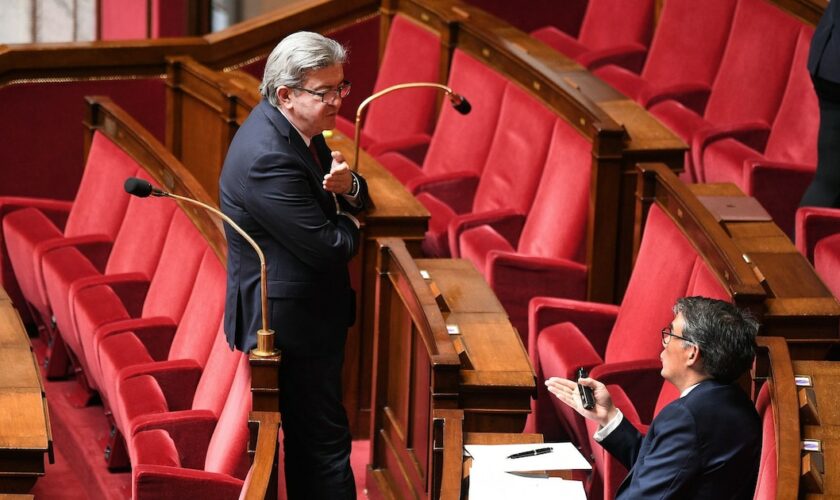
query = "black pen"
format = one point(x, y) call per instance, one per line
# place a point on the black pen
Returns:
point(532, 453)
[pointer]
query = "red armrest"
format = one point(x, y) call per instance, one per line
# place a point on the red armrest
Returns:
point(754, 134)
point(55, 210)
point(155, 334)
point(131, 288)
point(177, 379)
point(153, 482)
point(641, 381)
point(630, 56)
point(694, 96)
point(456, 189)
point(593, 319)
point(413, 147)
point(96, 247)
point(508, 223)
point(543, 276)
point(190, 430)
point(814, 224)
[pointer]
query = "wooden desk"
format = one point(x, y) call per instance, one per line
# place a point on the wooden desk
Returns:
point(25, 433)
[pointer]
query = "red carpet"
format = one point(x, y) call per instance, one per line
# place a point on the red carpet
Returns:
point(79, 470)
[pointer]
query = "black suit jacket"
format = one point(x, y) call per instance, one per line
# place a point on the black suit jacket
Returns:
point(704, 445)
point(271, 186)
point(824, 56)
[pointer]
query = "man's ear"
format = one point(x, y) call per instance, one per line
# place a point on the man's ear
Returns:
point(693, 355)
point(284, 97)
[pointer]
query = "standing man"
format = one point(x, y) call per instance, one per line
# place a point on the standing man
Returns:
point(707, 443)
point(294, 197)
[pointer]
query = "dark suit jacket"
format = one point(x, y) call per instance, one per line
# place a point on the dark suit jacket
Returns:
point(271, 186)
point(704, 445)
point(824, 56)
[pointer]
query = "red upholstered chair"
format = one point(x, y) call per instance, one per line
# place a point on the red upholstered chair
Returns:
point(118, 347)
point(612, 32)
point(152, 309)
point(678, 66)
point(748, 88)
point(403, 120)
point(812, 225)
point(508, 181)
point(172, 389)
point(545, 256)
point(135, 256)
point(200, 454)
point(33, 227)
point(460, 143)
point(765, 488)
point(567, 334)
point(827, 262)
point(778, 177)
point(647, 401)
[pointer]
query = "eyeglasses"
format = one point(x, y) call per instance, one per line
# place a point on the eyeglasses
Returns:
point(329, 96)
point(667, 334)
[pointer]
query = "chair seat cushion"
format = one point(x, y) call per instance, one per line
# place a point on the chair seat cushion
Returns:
point(154, 447)
point(400, 167)
point(115, 353)
point(136, 396)
point(476, 244)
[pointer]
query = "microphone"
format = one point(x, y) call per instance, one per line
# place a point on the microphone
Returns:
point(457, 101)
point(265, 336)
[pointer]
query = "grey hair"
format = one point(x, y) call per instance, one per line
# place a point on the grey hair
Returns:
point(294, 57)
point(724, 334)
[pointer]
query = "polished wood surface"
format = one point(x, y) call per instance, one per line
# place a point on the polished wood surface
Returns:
point(25, 434)
point(422, 365)
point(753, 260)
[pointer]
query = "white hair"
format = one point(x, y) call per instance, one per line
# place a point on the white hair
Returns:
point(294, 57)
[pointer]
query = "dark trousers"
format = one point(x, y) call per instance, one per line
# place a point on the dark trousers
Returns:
point(315, 429)
point(824, 191)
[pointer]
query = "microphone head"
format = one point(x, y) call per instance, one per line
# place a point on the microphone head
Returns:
point(138, 187)
point(460, 103)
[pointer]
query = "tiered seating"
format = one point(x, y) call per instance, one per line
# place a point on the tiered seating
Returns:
point(779, 176)
point(746, 93)
point(818, 238)
point(402, 121)
point(545, 256)
point(678, 66)
point(508, 180)
point(612, 32)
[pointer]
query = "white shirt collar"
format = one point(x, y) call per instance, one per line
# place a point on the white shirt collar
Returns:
point(688, 389)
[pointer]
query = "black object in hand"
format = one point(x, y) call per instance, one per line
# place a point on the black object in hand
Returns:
point(587, 399)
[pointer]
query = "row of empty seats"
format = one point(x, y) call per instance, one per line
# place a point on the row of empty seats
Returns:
point(135, 290)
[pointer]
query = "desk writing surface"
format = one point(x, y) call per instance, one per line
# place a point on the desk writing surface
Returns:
point(490, 341)
point(23, 423)
point(462, 285)
point(825, 376)
point(12, 332)
point(18, 368)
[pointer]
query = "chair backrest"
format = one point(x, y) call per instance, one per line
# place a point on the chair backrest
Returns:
point(765, 488)
point(227, 451)
point(461, 142)
point(139, 242)
point(517, 154)
point(556, 224)
point(101, 201)
point(194, 336)
point(827, 262)
point(412, 54)
point(793, 137)
point(661, 275)
point(171, 284)
point(688, 42)
point(609, 23)
point(753, 72)
point(217, 376)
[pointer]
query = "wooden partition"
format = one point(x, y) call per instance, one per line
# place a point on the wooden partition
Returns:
point(749, 254)
point(25, 433)
point(104, 117)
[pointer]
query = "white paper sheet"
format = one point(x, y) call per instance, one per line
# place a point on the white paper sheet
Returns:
point(564, 456)
point(489, 483)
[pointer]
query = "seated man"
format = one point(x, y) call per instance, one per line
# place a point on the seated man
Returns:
point(707, 443)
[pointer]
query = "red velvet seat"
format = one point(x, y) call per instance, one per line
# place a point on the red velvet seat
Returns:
point(677, 66)
point(170, 389)
point(196, 453)
point(827, 262)
point(508, 181)
point(460, 143)
point(135, 255)
point(567, 334)
point(612, 32)
point(545, 256)
point(35, 228)
point(402, 120)
point(765, 488)
point(812, 225)
point(748, 88)
point(119, 347)
point(151, 308)
point(778, 177)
